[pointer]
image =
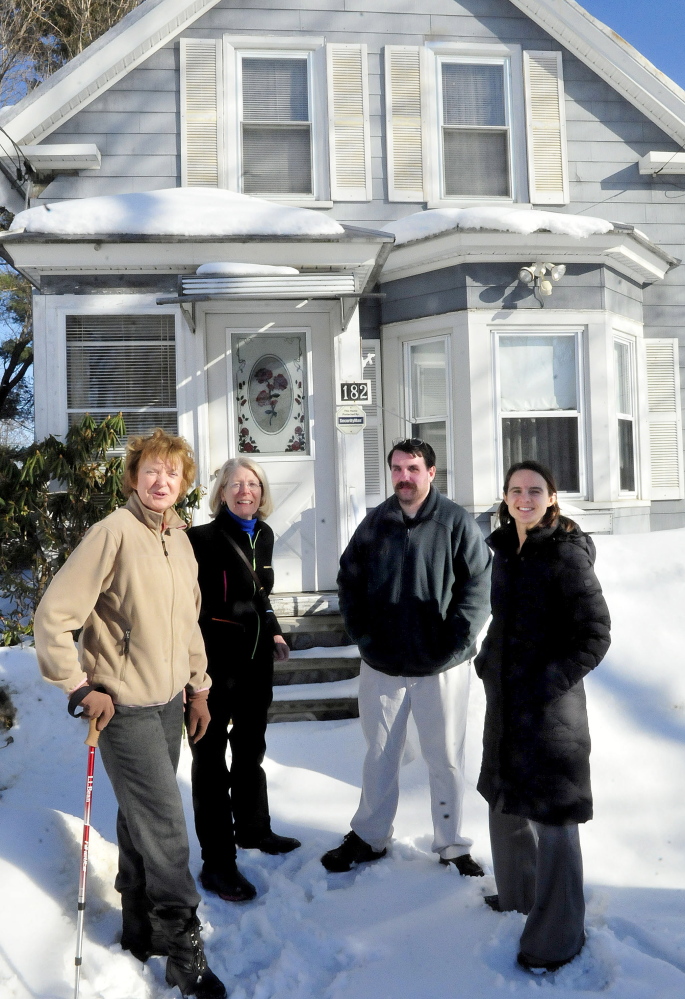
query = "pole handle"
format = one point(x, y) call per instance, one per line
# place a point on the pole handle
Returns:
point(93, 734)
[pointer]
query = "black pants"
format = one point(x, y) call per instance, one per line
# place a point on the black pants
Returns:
point(140, 749)
point(233, 805)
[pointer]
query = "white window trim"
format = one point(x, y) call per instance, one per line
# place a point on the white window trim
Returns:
point(535, 330)
point(634, 416)
point(407, 344)
point(510, 56)
point(287, 456)
point(313, 50)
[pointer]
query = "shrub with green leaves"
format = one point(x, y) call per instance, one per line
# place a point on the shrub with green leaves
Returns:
point(51, 492)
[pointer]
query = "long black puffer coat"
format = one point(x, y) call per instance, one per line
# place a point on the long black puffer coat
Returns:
point(550, 627)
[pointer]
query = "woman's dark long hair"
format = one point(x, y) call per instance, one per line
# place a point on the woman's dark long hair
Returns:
point(553, 514)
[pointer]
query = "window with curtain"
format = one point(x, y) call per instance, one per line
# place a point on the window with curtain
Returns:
point(475, 130)
point(428, 400)
point(623, 374)
point(539, 404)
point(126, 364)
point(276, 126)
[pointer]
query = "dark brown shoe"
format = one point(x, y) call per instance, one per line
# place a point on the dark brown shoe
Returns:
point(466, 865)
point(353, 850)
point(228, 883)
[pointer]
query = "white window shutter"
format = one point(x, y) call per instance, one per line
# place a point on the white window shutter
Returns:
point(348, 122)
point(665, 428)
point(546, 128)
point(374, 459)
point(403, 123)
point(201, 139)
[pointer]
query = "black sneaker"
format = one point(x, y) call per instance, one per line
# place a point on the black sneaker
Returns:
point(352, 850)
point(272, 843)
point(466, 865)
point(228, 883)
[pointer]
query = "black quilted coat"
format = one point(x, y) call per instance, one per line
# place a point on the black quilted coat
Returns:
point(550, 627)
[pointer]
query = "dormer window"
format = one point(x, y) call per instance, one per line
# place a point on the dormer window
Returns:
point(276, 126)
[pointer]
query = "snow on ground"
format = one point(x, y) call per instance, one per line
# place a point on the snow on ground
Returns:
point(177, 211)
point(520, 220)
point(402, 928)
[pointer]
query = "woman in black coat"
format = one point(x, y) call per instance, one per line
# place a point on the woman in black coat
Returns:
point(242, 638)
point(550, 627)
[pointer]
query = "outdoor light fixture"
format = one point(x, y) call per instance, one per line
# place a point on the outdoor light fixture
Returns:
point(541, 278)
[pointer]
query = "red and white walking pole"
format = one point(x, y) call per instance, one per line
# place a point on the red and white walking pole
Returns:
point(91, 742)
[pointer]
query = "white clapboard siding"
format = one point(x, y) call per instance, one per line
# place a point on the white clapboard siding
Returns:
point(348, 122)
point(546, 128)
point(374, 458)
point(665, 428)
point(404, 133)
point(201, 139)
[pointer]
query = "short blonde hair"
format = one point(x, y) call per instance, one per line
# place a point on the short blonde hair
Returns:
point(158, 444)
point(223, 475)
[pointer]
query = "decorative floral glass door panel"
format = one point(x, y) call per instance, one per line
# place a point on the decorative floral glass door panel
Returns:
point(271, 393)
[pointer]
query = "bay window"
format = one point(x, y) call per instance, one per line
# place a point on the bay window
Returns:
point(625, 409)
point(428, 400)
point(539, 404)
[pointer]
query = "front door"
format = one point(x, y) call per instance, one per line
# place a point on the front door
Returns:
point(270, 397)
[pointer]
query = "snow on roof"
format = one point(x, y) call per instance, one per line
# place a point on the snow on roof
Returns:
point(178, 211)
point(502, 219)
point(222, 269)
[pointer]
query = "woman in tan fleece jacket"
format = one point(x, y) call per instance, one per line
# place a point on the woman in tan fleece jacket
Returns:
point(131, 586)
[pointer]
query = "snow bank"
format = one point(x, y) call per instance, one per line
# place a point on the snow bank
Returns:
point(178, 211)
point(404, 928)
point(520, 220)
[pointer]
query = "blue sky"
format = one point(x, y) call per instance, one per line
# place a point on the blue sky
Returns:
point(655, 27)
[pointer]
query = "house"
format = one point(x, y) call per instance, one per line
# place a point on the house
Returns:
point(475, 207)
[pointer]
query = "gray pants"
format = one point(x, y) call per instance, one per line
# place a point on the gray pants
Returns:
point(140, 749)
point(539, 872)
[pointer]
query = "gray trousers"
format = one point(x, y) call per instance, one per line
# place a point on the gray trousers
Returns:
point(539, 872)
point(140, 749)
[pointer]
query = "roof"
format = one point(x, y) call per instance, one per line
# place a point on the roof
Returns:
point(156, 22)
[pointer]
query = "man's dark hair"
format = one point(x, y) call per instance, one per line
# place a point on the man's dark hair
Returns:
point(415, 447)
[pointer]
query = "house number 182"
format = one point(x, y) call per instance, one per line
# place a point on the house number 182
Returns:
point(359, 392)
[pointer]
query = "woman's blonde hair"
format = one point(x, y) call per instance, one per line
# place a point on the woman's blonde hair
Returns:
point(158, 444)
point(216, 500)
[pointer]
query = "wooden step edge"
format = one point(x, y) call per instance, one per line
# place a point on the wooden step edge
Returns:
point(324, 709)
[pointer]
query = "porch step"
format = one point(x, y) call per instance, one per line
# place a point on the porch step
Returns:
point(315, 702)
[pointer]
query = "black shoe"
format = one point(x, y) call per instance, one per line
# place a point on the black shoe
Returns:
point(493, 902)
point(541, 967)
point(140, 933)
point(186, 965)
point(352, 850)
point(466, 865)
point(228, 883)
point(270, 843)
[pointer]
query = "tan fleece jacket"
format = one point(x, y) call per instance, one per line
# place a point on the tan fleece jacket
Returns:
point(133, 589)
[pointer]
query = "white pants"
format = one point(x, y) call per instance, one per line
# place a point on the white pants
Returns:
point(439, 705)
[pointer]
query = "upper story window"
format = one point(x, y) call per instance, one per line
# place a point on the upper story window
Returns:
point(276, 125)
point(276, 117)
point(467, 121)
point(475, 130)
point(539, 404)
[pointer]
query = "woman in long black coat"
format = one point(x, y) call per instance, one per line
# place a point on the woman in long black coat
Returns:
point(242, 638)
point(550, 627)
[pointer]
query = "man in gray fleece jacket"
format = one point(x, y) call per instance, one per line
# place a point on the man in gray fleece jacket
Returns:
point(414, 587)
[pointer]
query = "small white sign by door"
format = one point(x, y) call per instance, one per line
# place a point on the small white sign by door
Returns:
point(350, 419)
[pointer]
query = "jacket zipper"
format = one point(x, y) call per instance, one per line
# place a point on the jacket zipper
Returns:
point(173, 610)
point(254, 588)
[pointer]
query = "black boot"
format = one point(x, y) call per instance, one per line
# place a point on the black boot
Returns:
point(186, 964)
point(140, 931)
